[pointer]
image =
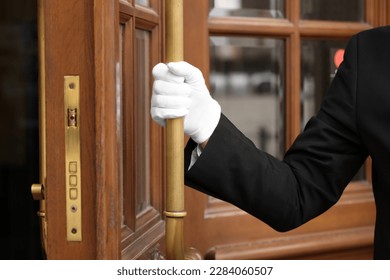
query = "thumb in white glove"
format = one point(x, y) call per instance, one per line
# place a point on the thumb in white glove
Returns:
point(190, 99)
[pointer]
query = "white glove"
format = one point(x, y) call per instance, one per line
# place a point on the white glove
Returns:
point(179, 90)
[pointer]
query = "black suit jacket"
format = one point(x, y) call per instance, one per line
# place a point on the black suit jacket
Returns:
point(353, 122)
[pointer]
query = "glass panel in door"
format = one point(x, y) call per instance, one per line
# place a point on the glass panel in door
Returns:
point(336, 10)
point(319, 62)
point(142, 107)
point(248, 8)
point(247, 79)
point(143, 2)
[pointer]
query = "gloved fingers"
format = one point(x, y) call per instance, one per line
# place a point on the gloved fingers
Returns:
point(159, 69)
point(171, 102)
point(161, 72)
point(190, 73)
point(163, 113)
point(171, 89)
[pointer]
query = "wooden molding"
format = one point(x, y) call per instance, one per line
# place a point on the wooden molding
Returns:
point(356, 193)
point(106, 25)
point(257, 26)
point(139, 244)
point(300, 246)
point(324, 29)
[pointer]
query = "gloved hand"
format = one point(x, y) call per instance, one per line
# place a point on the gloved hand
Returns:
point(179, 90)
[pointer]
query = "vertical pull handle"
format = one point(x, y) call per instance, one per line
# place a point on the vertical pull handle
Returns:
point(175, 142)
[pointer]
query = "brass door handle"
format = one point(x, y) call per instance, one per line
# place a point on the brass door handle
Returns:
point(38, 191)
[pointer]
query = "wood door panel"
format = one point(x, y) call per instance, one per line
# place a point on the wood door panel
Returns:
point(237, 227)
point(82, 38)
point(61, 59)
point(226, 231)
point(353, 244)
point(143, 228)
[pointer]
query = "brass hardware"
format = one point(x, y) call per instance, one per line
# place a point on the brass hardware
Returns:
point(38, 191)
point(72, 157)
point(174, 141)
point(72, 117)
point(192, 254)
point(41, 214)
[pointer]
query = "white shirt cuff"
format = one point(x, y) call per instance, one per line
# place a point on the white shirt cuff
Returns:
point(195, 155)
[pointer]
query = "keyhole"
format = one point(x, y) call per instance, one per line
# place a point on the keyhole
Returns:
point(72, 117)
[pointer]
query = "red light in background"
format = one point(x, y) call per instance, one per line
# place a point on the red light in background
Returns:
point(338, 57)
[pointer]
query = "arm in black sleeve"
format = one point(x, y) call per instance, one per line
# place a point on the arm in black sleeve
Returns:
point(311, 177)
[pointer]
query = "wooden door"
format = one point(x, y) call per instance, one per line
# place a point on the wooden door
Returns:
point(111, 46)
point(107, 48)
point(285, 35)
point(67, 48)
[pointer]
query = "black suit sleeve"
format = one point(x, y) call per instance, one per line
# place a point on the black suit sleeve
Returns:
point(311, 177)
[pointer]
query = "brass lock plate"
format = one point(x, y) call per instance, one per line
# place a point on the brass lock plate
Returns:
point(72, 158)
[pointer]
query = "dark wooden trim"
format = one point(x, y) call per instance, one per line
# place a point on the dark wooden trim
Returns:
point(303, 246)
